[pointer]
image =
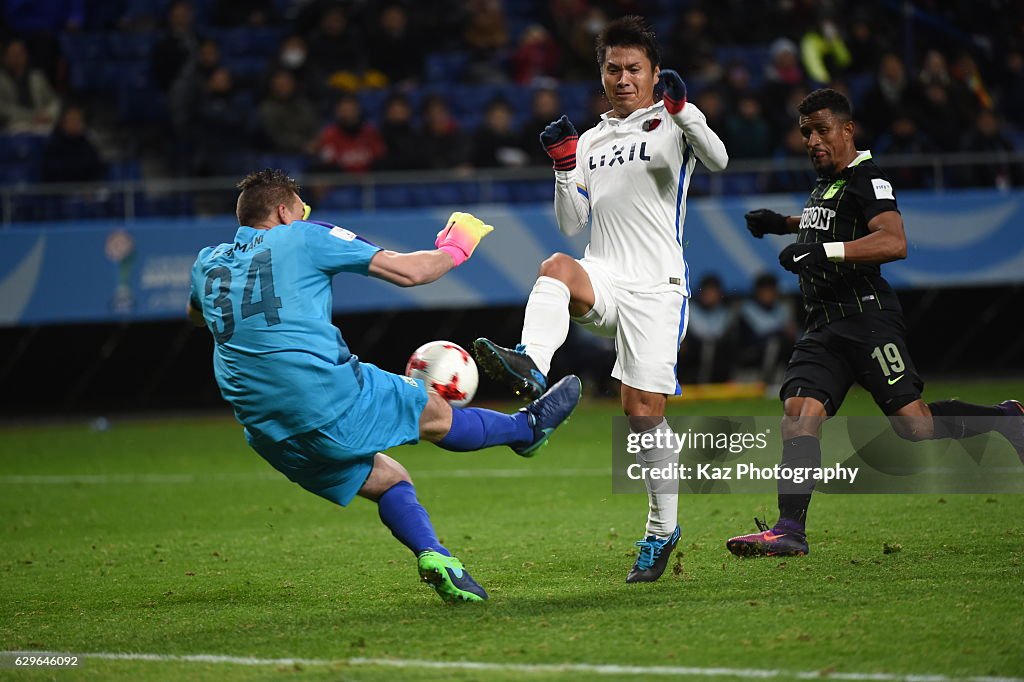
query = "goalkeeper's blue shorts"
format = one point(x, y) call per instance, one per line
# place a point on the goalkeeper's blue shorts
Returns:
point(335, 460)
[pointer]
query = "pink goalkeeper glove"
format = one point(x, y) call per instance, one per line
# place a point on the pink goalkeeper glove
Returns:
point(460, 236)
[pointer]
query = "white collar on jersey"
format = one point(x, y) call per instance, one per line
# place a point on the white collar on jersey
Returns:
point(639, 113)
point(861, 156)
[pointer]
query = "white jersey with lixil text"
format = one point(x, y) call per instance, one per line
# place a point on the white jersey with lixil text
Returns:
point(630, 184)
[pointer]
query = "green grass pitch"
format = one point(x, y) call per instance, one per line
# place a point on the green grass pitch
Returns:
point(171, 538)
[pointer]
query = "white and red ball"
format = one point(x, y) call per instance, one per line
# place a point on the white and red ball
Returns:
point(446, 368)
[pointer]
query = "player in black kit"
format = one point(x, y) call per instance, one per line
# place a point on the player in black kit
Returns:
point(855, 332)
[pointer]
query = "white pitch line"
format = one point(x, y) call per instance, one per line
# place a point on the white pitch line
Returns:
point(166, 479)
point(548, 668)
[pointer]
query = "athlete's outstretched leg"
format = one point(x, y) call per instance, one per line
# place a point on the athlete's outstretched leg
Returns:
point(956, 419)
point(463, 429)
point(562, 289)
point(390, 486)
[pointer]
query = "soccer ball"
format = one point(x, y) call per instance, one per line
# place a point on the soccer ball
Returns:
point(447, 368)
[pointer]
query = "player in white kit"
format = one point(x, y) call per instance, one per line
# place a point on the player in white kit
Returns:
point(627, 177)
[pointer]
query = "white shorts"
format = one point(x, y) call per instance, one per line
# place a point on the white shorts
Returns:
point(647, 328)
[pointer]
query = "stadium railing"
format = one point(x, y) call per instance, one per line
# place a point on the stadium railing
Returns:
point(133, 198)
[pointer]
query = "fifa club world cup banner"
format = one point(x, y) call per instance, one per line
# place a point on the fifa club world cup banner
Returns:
point(109, 270)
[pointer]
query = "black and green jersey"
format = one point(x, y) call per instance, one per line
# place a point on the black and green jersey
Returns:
point(838, 210)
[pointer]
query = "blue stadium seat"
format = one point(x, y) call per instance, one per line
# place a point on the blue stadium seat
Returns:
point(245, 65)
point(22, 146)
point(124, 170)
point(392, 196)
point(126, 46)
point(292, 164)
point(19, 173)
point(341, 199)
point(248, 42)
point(445, 67)
point(141, 103)
point(754, 58)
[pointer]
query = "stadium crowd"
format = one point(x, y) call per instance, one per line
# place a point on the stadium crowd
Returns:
point(147, 88)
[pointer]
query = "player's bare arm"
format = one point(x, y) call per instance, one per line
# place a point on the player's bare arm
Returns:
point(886, 243)
point(410, 269)
point(455, 243)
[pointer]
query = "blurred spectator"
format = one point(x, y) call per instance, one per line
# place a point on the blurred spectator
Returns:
point(969, 89)
point(244, 13)
point(293, 56)
point(934, 70)
point(710, 102)
point(939, 119)
point(191, 83)
point(709, 345)
point(27, 102)
point(1012, 91)
point(288, 119)
point(598, 106)
point(442, 145)
point(867, 42)
point(496, 144)
point(792, 176)
point(546, 107)
point(400, 137)
point(350, 143)
point(768, 329)
point(892, 92)
point(537, 56)
point(735, 84)
point(337, 50)
point(987, 136)
point(782, 75)
point(904, 139)
point(486, 36)
point(576, 26)
point(222, 125)
point(177, 47)
point(690, 46)
point(746, 132)
point(783, 118)
point(39, 23)
point(69, 155)
point(396, 46)
point(824, 53)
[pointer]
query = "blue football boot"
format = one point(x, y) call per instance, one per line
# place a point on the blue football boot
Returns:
point(550, 411)
point(653, 557)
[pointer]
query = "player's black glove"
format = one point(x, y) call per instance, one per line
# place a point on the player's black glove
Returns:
point(762, 222)
point(796, 257)
point(559, 141)
point(674, 89)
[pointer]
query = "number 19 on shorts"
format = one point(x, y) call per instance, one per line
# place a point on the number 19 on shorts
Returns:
point(888, 357)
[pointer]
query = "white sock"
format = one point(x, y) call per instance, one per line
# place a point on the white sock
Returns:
point(662, 495)
point(547, 321)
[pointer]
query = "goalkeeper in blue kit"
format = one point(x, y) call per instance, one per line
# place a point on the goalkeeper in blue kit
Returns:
point(309, 406)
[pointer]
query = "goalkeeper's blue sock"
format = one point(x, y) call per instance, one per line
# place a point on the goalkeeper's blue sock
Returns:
point(474, 428)
point(407, 520)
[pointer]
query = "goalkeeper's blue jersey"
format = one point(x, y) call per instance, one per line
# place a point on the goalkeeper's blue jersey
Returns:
point(266, 299)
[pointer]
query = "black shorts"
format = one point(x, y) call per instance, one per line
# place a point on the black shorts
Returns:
point(867, 348)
